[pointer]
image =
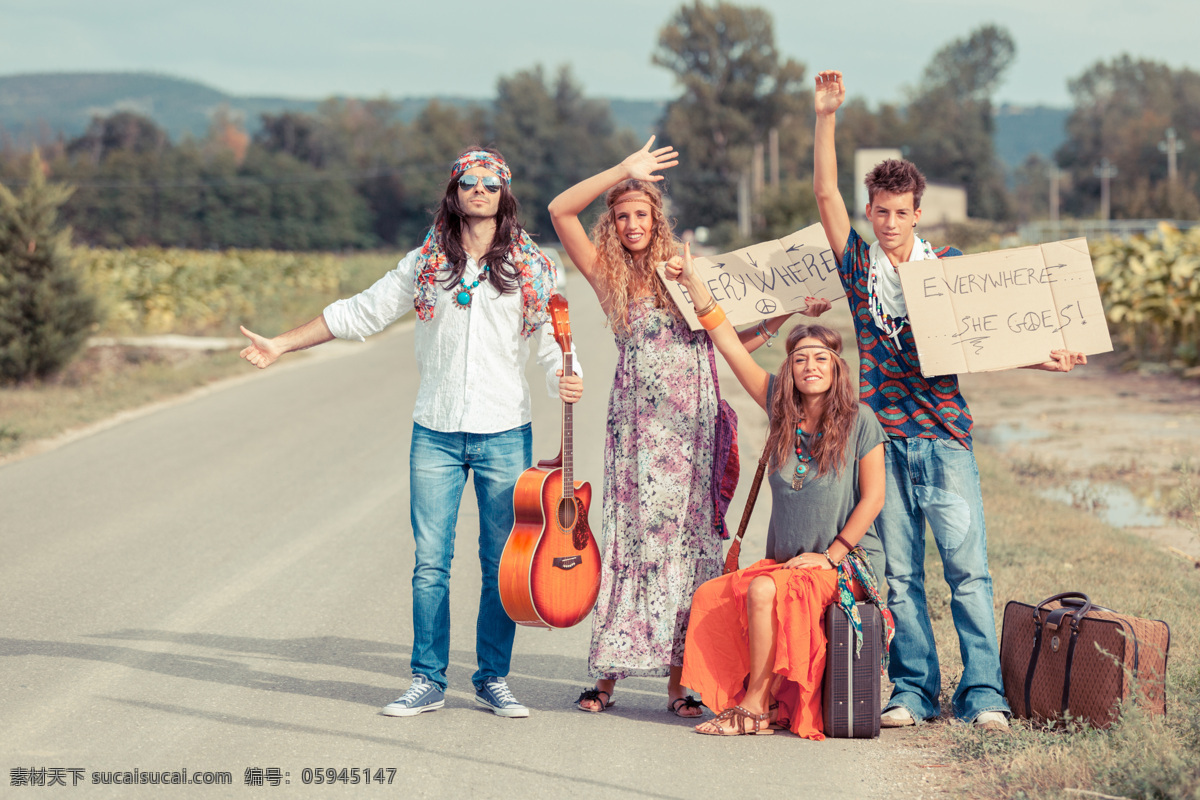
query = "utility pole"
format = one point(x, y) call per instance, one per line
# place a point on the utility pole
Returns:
point(743, 198)
point(773, 155)
point(1055, 174)
point(1105, 172)
point(1172, 146)
point(756, 175)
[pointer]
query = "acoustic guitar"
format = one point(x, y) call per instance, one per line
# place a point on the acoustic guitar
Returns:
point(550, 568)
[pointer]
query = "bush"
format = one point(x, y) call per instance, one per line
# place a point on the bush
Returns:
point(44, 314)
point(1151, 291)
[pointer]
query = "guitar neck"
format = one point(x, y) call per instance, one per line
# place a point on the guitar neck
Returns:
point(568, 436)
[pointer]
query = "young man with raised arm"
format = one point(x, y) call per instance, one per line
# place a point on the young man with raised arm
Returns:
point(481, 289)
point(931, 472)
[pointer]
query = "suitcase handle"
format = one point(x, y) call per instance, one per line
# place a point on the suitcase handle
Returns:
point(1074, 604)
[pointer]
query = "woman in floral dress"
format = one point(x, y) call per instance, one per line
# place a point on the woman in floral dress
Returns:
point(669, 435)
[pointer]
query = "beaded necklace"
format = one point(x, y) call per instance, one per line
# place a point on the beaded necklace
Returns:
point(463, 298)
point(803, 456)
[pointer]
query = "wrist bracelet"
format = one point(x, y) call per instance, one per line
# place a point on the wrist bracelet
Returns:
point(832, 563)
point(765, 332)
point(712, 318)
point(842, 539)
point(708, 307)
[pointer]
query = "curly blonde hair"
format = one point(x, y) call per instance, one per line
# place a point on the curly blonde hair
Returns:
point(621, 274)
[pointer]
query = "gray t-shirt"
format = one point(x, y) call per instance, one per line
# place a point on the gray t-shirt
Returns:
point(807, 520)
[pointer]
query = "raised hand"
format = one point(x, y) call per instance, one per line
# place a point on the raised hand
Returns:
point(645, 162)
point(261, 352)
point(830, 92)
point(816, 306)
point(679, 268)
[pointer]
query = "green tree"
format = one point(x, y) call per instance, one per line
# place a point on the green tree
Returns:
point(950, 118)
point(736, 87)
point(552, 137)
point(1122, 109)
point(44, 314)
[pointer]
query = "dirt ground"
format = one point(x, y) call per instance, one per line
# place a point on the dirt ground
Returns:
point(1112, 442)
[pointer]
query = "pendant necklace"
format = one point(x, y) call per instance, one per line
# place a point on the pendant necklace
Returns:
point(463, 298)
point(802, 457)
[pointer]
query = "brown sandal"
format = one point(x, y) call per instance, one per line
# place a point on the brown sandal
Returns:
point(740, 716)
point(594, 694)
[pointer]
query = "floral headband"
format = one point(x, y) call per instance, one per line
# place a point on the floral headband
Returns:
point(481, 158)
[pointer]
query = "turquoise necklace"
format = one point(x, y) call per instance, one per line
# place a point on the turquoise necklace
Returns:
point(463, 298)
point(802, 458)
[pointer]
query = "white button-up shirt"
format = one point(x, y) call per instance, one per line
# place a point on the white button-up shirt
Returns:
point(471, 360)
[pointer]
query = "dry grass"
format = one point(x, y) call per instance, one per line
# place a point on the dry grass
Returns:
point(1038, 548)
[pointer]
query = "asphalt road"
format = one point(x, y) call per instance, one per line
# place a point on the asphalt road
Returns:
point(223, 585)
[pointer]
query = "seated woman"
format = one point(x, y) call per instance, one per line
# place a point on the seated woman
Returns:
point(755, 646)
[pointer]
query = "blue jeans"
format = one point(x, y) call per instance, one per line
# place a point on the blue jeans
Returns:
point(438, 467)
point(937, 481)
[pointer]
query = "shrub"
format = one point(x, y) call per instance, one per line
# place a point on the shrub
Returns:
point(45, 315)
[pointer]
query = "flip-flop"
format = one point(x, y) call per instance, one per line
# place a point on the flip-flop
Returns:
point(594, 694)
point(681, 703)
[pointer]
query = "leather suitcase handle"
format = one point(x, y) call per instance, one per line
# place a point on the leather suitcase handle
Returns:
point(1077, 611)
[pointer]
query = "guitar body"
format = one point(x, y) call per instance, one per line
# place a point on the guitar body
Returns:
point(550, 568)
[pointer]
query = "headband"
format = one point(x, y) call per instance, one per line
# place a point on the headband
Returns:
point(481, 158)
point(638, 197)
point(814, 347)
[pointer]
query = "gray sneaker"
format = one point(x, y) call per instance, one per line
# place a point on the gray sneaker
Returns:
point(421, 696)
point(494, 694)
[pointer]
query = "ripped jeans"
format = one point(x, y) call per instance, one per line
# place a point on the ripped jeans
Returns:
point(937, 481)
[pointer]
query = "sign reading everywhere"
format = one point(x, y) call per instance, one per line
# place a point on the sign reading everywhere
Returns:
point(766, 279)
point(1005, 309)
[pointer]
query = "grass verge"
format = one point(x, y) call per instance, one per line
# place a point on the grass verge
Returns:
point(1038, 548)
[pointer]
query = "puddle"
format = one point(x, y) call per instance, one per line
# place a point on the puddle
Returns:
point(1003, 434)
point(1112, 502)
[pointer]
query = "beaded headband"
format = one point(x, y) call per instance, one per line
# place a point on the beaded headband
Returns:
point(481, 158)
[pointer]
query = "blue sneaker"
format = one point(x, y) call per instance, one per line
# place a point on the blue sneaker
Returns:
point(494, 694)
point(421, 696)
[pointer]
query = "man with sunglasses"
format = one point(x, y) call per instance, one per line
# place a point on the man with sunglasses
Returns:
point(481, 289)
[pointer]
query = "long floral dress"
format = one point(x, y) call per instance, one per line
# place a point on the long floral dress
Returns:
point(659, 540)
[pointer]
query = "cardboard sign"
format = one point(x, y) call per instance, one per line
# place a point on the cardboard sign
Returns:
point(1005, 309)
point(766, 279)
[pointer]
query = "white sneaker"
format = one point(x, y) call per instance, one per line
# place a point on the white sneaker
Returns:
point(992, 721)
point(421, 696)
point(897, 717)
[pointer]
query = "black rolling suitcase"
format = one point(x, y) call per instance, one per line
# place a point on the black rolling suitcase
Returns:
point(850, 695)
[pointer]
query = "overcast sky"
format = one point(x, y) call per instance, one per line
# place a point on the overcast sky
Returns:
point(402, 48)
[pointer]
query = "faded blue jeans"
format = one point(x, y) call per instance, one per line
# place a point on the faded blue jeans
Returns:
point(438, 467)
point(937, 481)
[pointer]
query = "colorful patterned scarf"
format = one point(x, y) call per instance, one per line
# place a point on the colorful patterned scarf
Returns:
point(886, 298)
point(538, 275)
point(856, 565)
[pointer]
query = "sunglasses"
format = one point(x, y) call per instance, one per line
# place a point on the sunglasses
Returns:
point(490, 182)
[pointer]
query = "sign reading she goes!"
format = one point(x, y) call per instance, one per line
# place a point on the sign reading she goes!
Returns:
point(766, 279)
point(1005, 309)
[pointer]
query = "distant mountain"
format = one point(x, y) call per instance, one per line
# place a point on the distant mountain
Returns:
point(37, 105)
point(49, 104)
point(1022, 131)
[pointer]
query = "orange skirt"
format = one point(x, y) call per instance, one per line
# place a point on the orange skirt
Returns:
point(716, 659)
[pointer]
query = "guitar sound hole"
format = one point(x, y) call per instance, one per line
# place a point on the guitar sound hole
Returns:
point(566, 514)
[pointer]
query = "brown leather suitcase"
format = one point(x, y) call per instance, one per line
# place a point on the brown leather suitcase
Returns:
point(1066, 656)
point(850, 694)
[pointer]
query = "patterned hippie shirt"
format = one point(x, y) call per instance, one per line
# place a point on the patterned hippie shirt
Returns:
point(907, 404)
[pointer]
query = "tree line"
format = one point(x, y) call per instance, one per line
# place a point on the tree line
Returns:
point(351, 175)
